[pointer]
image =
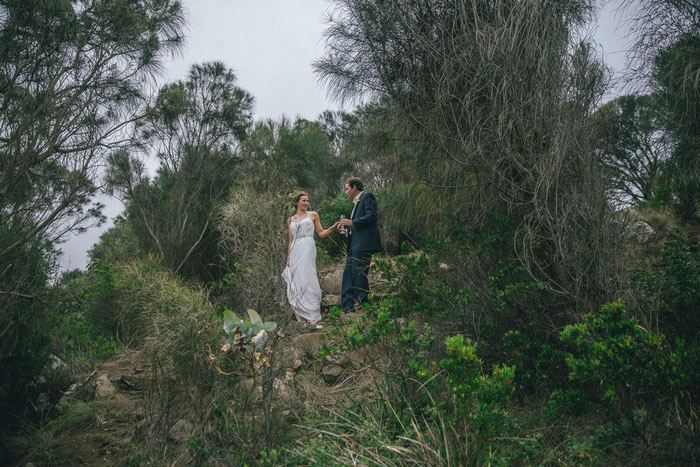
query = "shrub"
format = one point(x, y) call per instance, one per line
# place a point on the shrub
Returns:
point(669, 295)
point(329, 211)
point(24, 339)
point(79, 335)
point(254, 239)
point(631, 371)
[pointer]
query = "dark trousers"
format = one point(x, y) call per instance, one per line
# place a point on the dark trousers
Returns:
point(355, 284)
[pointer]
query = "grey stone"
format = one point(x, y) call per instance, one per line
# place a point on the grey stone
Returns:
point(341, 361)
point(331, 281)
point(282, 390)
point(181, 431)
point(247, 387)
point(330, 300)
point(331, 373)
point(310, 343)
point(641, 231)
point(56, 363)
point(104, 388)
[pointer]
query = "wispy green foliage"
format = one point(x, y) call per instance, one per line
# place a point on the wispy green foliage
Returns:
point(73, 78)
point(195, 129)
point(281, 156)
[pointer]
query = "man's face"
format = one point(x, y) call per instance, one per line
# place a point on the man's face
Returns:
point(350, 191)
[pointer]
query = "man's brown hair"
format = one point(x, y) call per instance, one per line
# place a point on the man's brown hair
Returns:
point(354, 182)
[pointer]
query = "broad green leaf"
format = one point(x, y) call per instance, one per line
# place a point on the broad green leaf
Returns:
point(231, 322)
point(254, 316)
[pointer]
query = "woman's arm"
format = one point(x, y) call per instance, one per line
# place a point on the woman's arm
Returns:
point(319, 229)
point(289, 247)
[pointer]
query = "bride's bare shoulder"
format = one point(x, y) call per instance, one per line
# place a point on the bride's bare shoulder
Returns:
point(313, 215)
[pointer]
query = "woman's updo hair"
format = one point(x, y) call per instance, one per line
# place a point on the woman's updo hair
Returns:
point(297, 197)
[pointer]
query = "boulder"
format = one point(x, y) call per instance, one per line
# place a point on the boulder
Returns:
point(330, 300)
point(282, 390)
point(181, 431)
point(331, 281)
point(247, 387)
point(104, 388)
point(641, 231)
point(310, 343)
point(352, 317)
point(331, 373)
point(340, 361)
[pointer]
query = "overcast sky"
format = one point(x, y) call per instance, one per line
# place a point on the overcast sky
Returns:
point(270, 45)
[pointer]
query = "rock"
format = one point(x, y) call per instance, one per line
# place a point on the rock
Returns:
point(310, 343)
point(248, 388)
point(444, 266)
point(129, 383)
point(330, 300)
point(181, 431)
point(641, 231)
point(297, 364)
point(56, 363)
point(331, 373)
point(104, 388)
point(352, 317)
point(281, 390)
point(331, 281)
point(341, 361)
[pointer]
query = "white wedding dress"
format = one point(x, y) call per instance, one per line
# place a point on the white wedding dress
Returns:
point(303, 290)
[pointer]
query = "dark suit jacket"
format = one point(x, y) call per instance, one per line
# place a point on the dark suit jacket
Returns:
point(364, 233)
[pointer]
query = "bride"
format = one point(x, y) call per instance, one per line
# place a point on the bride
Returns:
point(303, 290)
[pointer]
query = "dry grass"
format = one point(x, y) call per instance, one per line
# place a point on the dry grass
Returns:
point(254, 249)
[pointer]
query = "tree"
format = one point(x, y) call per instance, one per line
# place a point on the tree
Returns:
point(676, 78)
point(73, 76)
point(633, 147)
point(195, 130)
point(656, 26)
point(73, 79)
point(502, 94)
point(283, 156)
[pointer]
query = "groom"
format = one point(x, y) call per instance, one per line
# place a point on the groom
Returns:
point(362, 242)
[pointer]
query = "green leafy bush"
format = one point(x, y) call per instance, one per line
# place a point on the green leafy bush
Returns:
point(669, 295)
point(24, 343)
point(625, 368)
point(79, 335)
point(329, 212)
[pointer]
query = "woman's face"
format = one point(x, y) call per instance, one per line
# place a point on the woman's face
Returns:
point(303, 203)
